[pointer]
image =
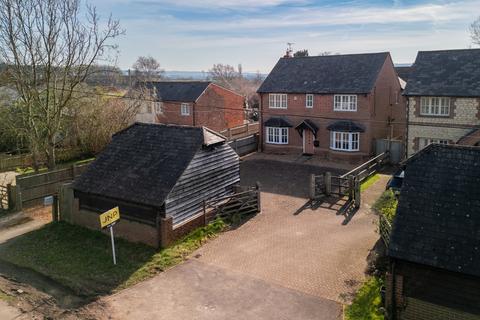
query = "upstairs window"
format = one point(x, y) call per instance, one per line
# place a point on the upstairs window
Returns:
point(344, 102)
point(185, 109)
point(309, 101)
point(344, 141)
point(435, 106)
point(277, 101)
point(277, 135)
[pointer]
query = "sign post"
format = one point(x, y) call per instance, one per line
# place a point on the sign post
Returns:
point(108, 220)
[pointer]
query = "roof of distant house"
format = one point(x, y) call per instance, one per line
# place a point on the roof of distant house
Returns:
point(454, 73)
point(181, 91)
point(144, 161)
point(350, 73)
point(404, 72)
point(438, 216)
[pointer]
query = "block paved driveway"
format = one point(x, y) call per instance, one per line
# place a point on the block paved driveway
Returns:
point(317, 252)
point(285, 263)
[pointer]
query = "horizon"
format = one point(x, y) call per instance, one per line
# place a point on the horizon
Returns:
point(194, 35)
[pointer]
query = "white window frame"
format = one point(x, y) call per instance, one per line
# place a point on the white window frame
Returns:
point(276, 135)
point(435, 106)
point(185, 109)
point(277, 101)
point(345, 141)
point(345, 102)
point(423, 142)
point(309, 100)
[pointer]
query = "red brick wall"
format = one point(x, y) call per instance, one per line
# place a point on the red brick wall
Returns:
point(296, 112)
point(217, 108)
point(373, 112)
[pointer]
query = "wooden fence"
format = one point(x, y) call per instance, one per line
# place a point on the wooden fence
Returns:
point(8, 162)
point(237, 205)
point(348, 183)
point(368, 168)
point(31, 189)
point(241, 131)
point(385, 228)
point(245, 145)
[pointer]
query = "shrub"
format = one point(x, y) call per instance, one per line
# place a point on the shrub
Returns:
point(387, 205)
point(367, 304)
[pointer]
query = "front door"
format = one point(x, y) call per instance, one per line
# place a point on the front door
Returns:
point(308, 138)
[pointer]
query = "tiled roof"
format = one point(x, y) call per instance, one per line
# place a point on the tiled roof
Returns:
point(181, 91)
point(404, 72)
point(345, 126)
point(143, 163)
point(351, 73)
point(277, 122)
point(438, 217)
point(454, 73)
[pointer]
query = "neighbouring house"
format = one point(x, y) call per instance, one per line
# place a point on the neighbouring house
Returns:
point(334, 106)
point(434, 246)
point(404, 72)
point(192, 103)
point(158, 175)
point(443, 94)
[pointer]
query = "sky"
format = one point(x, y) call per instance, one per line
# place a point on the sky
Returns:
point(193, 35)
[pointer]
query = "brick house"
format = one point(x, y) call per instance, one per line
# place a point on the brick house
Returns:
point(158, 175)
point(443, 92)
point(333, 106)
point(192, 103)
point(434, 247)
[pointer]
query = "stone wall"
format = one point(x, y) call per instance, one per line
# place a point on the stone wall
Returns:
point(429, 131)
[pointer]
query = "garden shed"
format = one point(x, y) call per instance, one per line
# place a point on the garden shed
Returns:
point(158, 175)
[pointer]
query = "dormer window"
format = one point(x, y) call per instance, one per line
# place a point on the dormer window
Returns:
point(344, 102)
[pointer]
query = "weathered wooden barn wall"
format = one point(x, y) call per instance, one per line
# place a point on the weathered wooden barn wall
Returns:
point(211, 173)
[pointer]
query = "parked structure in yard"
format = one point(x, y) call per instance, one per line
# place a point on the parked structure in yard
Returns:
point(159, 176)
point(435, 242)
point(335, 106)
point(443, 93)
point(192, 103)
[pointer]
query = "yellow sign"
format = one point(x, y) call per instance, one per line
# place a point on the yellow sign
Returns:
point(109, 217)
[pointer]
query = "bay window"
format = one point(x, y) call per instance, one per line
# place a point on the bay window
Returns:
point(344, 141)
point(277, 135)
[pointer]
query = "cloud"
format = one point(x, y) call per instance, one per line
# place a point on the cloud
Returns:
point(225, 4)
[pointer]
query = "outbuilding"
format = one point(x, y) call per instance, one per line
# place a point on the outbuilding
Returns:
point(159, 176)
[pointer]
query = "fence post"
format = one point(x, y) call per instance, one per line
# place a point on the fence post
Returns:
point(312, 187)
point(259, 203)
point(351, 187)
point(74, 171)
point(55, 208)
point(357, 193)
point(205, 221)
point(17, 198)
point(247, 127)
point(328, 183)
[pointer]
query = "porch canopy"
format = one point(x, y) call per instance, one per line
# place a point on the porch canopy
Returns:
point(307, 124)
point(277, 122)
point(345, 126)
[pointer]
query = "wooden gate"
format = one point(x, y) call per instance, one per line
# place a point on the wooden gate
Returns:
point(239, 204)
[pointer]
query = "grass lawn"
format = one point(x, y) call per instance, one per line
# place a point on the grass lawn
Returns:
point(367, 303)
point(81, 259)
point(369, 181)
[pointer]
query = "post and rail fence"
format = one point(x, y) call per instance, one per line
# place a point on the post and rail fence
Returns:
point(347, 184)
point(244, 202)
point(242, 131)
point(384, 228)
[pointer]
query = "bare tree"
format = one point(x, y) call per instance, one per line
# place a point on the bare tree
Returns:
point(147, 68)
point(223, 74)
point(49, 50)
point(301, 53)
point(475, 31)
